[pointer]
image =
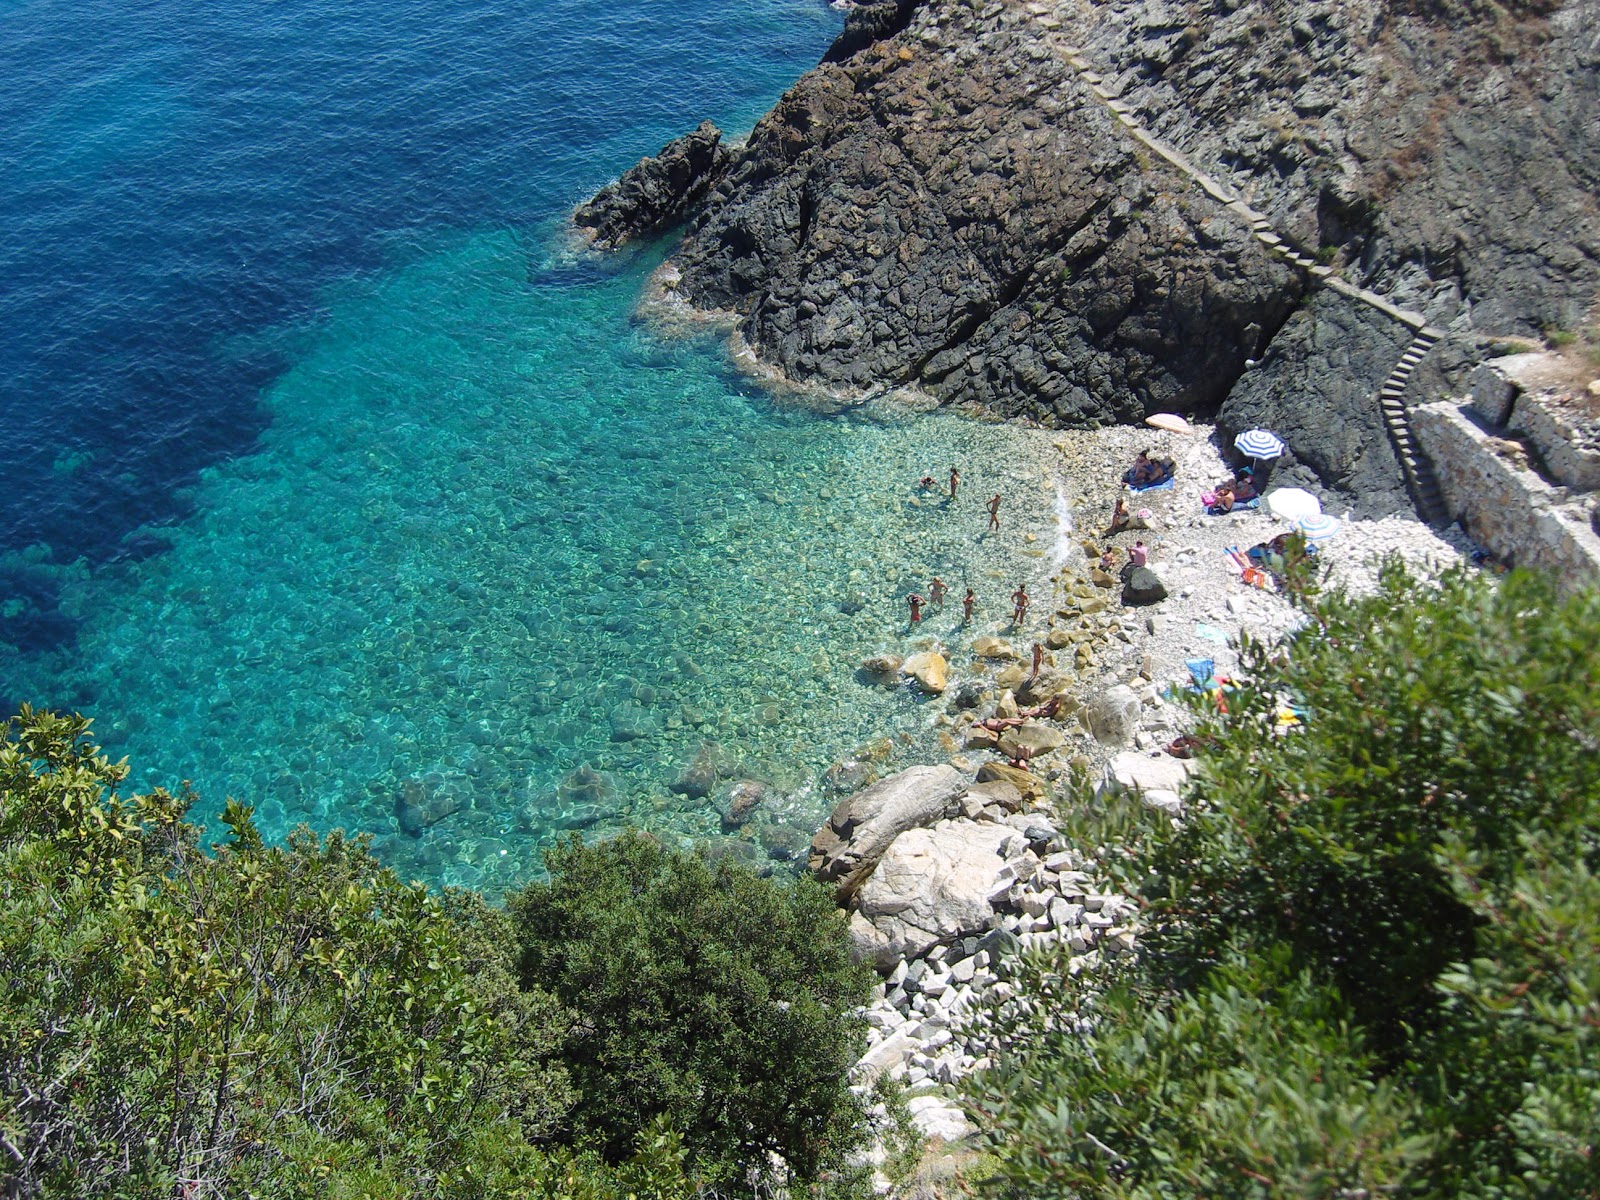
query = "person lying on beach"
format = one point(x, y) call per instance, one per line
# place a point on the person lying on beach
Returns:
point(1244, 487)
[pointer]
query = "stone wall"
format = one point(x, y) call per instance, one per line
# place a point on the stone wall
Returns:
point(1564, 436)
point(1503, 504)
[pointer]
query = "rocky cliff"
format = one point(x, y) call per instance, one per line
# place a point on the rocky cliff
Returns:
point(1086, 212)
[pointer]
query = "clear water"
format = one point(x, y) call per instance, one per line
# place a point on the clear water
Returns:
point(333, 483)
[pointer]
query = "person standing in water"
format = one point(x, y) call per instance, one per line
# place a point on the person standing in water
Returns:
point(994, 511)
point(955, 482)
point(937, 592)
point(967, 605)
point(1020, 600)
point(915, 601)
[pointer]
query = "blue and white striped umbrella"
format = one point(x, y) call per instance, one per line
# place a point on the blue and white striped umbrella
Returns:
point(1260, 443)
point(1318, 527)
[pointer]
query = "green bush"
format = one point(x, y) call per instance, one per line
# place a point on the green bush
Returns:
point(265, 1020)
point(1403, 891)
point(705, 995)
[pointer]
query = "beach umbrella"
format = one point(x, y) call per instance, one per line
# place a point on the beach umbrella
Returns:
point(1292, 504)
point(1259, 443)
point(1318, 527)
point(1171, 422)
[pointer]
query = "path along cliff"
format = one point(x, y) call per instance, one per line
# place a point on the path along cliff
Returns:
point(1006, 205)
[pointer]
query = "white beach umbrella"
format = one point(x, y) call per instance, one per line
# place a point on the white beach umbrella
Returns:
point(1259, 443)
point(1292, 504)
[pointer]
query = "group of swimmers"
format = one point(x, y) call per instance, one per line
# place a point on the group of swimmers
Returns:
point(938, 589)
point(928, 483)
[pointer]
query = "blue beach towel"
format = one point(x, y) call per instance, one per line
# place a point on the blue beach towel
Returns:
point(1164, 486)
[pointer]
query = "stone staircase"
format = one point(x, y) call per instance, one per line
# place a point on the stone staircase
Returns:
point(1420, 480)
point(1419, 476)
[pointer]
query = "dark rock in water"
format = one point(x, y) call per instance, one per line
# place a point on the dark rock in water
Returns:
point(969, 693)
point(784, 842)
point(425, 800)
point(699, 778)
point(848, 775)
point(739, 802)
point(1143, 586)
point(657, 193)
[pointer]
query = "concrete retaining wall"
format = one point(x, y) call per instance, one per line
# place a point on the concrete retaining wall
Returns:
point(1502, 504)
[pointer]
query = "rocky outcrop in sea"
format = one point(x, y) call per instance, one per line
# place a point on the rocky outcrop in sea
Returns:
point(1086, 214)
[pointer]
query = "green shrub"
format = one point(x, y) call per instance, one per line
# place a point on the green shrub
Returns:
point(706, 995)
point(265, 1020)
point(1403, 891)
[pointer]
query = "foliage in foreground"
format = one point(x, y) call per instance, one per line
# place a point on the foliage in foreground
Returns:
point(294, 1021)
point(706, 996)
point(1372, 961)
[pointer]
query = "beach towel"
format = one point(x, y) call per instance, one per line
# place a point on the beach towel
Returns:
point(1164, 486)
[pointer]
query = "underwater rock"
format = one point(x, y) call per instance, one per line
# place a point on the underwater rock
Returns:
point(631, 721)
point(586, 785)
point(881, 668)
point(784, 843)
point(848, 775)
point(739, 801)
point(425, 800)
point(969, 693)
point(698, 778)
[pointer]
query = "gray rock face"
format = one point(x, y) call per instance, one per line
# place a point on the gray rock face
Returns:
point(930, 886)
point(949, 208)
point(944, 203)
point(657, 193)
point(861, 828)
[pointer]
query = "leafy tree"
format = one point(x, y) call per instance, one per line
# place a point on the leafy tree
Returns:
point(265, 1020)
point(705, 995)
point(1370, 957)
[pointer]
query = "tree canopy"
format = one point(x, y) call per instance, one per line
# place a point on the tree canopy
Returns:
point(1371, 962)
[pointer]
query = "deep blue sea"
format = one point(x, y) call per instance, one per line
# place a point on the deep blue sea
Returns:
point(334, 479)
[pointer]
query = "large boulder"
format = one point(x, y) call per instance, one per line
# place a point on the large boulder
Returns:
point(1033, 790)
point(656, 193)
point(1142, 586)
point(861, 828)
point(1113, 715)
point(1158, 779)
point(930, 669)
point(930, 886)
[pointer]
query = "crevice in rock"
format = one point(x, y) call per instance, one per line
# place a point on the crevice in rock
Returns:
point(870, 23)
point(1006, 293)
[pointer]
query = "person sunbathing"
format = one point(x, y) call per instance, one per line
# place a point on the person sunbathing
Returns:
point(1244, 488)
point(1144, 472)
point(1222, 500)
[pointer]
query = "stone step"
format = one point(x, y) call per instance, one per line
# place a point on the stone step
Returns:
point(1268, 239)
point(1049, 23)
point(1119, 106)
point(1321, 271)
point(1412, 357)
point(1092, 76)
point(1126, 121)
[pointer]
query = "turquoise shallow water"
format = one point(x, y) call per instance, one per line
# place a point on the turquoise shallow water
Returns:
point(495, 561)
point(507, 562)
